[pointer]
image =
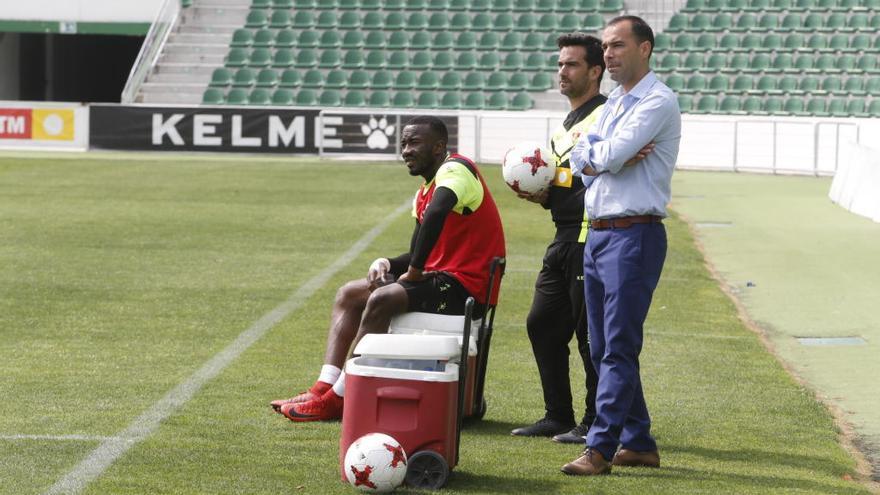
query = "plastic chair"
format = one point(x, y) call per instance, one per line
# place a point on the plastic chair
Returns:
point(290, 78)
point(213, 96)
point(380, 99)
point(282, 97)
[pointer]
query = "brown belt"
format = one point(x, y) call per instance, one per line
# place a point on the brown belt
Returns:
point(623, 222)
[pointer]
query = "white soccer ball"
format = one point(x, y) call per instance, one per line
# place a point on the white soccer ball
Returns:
point(375, 462)
point(528, 168)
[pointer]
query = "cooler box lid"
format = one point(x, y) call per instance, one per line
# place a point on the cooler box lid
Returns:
point(403, 346)
point(430, 323)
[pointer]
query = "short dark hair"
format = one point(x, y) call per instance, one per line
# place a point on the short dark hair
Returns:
point(640, 29)
point(592, 47)
point(438, 128)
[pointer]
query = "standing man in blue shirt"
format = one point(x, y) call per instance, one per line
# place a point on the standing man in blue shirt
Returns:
point(626, 162)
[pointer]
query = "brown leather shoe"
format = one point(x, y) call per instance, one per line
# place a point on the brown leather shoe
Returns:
point(632, 458)
point(591, 463)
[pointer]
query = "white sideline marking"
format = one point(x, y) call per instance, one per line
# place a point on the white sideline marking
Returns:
point(144, 425)
point(62, 438)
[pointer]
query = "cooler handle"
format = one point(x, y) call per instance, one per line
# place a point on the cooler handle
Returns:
point(399, 393)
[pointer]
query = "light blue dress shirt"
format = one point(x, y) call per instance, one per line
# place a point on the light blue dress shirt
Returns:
point(629, 121)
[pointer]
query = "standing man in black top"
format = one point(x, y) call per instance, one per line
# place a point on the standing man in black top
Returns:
point(558, 308)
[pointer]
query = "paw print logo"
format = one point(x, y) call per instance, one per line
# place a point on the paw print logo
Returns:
point(377, 133)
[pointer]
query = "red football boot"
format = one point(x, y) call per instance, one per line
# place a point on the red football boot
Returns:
point(327, 407)
point(317, 390)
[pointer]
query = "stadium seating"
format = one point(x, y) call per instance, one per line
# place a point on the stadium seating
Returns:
point(778, 57)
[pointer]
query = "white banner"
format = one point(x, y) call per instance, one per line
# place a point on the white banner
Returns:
point(43, 126)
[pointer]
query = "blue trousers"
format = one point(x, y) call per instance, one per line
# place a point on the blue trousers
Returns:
point(621, 271)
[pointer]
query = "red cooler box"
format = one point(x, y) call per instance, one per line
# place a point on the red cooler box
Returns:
point(405, 386)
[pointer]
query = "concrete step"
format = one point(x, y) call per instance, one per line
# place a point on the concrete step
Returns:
point(222, 3)
point(194, 58)
point(202, 49)
point(550, 100)
point(202, 70)
point(170, 98)
point(215, 16)
point(178, 77)
point(200, 38)
point(226, 29)
point(176, 87)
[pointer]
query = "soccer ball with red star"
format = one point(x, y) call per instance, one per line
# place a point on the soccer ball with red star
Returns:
point(528, 168)
point(376, 463)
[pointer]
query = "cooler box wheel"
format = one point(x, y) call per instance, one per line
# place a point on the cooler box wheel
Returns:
point(427, 469)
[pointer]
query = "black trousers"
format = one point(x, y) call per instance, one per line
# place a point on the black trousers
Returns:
point(558, 312)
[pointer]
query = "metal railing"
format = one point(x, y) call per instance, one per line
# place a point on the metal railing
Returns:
point(162, 26)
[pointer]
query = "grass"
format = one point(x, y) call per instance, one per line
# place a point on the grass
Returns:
point(120, 277)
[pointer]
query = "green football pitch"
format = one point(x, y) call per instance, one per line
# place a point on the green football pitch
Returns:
point(151, 307)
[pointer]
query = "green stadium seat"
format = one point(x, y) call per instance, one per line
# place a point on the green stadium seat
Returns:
point(330, 98)
point(521, 101)
point(524, 6)
point(456, 5)
point(706, 41)
point(443, 41)
point(260, 57)
point(793, 42)
point(835, 22)
point(699, 22)
point(349, 21)
point(677, 23)
point(749, 43)
point(695, 84)
point(751, 106)
point(474, 81)
point(526, 22)
point(474, 101)
point(859, 43)
point(874, 108)
point(260, 96)
point(817, 43)
point(353, 59)
point(405, 80)
point(854, 86)
point(735, 5)
point(451, 81)
point(304, 4)
point(670, 62)
point(237, 57)
point(511, 41)
point(325, 4)
point(221, 77)
point(803, 63)
point(450, 100)
point(306, 59)
point(794, 106)
point(772, 106)
point(443, 61)
point(326, 20)
point(420, 61)
point(856, 108)
point(845, 63)
point(540, 82)
point(718, 84)
point(372, 21)
point(284, 38)
point(237, 96)
point(416, 21)
point(489, 61)
point(721, 22)
point(548, 22)
point(313, 78)
point(611, 6)
point(290, 78)
point(428, 81)
point(768, 22)
point(803, 5)
point(466, 61)
point(570, 22)
point(420, 41)
point(466, 41)
point(497, 82)
point(831, 85)
point(303, 19)
point(789, 85)
point(791, 22)
point(308, 39)
point(783, 62)
point(685, 103)
point(825, 63)
point(739, 62)
point(330, 39)
point(427, 100)
point(513, 61)
point(356, 79)
point(283, 58)
point(261, 4)
point(242, 38)
point(213, 96)
point(517, 82)
point(593, 23)
point(257, 19)
point(408, 4)
point(379, 99)
point(264, 38)
point(812, 23)
point(836, 108)
point(481, 22)
point(395, 21)
point(282, 97)
point(758, 5)
point(501, 5)
point(693, 62)
point(374, 60)
point(533, 42)
point(403, 100)
point(809, 85)
point(676, 82)
point(868, 64)
point(683, 42)
point(398, 60)
point(730, 104)
point(713, 5)
point(742, 84)
point(496, 101)
point(766, 85)
point(376, 39)
point(502, 22)
point(693, 6)
point(858, 21)
point(306, 97)
point(352, 40)
point(438, 5)
point(336, 79)
point(438, 21)
point(715, 63)
point(706, 104)
point(771, 42)
point(489, 41)
point(382, 79)
point(267, 78)
point(780, 5)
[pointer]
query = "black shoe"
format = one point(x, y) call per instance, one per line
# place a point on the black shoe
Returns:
point(578, 434)
point(544, 427)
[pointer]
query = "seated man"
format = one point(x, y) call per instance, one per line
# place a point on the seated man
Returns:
point(457, 234)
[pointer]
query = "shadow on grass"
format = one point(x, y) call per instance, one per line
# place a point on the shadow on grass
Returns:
point(488, 427)
point(752, 456)
point(487, 483)
point(771, 483)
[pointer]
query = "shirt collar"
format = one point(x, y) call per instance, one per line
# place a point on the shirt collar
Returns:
point(639, 91)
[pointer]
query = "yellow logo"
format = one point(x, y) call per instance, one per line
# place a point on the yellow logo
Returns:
point(51, 124)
